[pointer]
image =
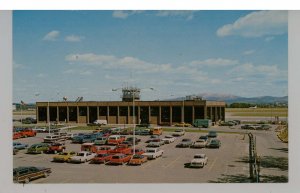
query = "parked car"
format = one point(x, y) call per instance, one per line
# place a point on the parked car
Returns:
point(27, 132)
point(265, 127)
point(227, 123)
point(123, 149)
point(214, 143)
point(56, 147)
point(82, 156)
point(52, 138)
point(18, 145)
point(104, 149)
point(183, 124)
point(120, 159)
point(138, 159)
point(151, 138)
point(137, 151)
point(101, 140)
point(153, 153)
point(168, 139)
point(204, 137)
point(40, 129)
point(38, 148)
point(156, 143)
point(27, 174)
point(63, 156)
point(200, 143)
point(70, 136)
point(101, 158)
point(199, 161)
point(145, 132)
point(178, 132)
point(185, 143)
point(130, 140)
point(115, 139)
point(212, 134)
point(156, 131)
point(16, 135)
point(29, 120)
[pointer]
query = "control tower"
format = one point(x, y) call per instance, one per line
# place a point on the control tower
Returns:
point(130, 94)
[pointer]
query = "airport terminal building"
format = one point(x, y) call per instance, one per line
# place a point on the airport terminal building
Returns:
point(121, 112)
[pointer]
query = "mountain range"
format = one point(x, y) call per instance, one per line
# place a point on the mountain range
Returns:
point(229, 99)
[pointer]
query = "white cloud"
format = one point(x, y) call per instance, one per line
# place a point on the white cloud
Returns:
point(257, 24)
point(87, 72)
point(214, 62)
point(17, 65)
point(74, 38)
point(41, 75)
point(52, 36)
point(189, 15)
point(124, 14)
point(249, 69)
point(248, 52)
point(270, 38)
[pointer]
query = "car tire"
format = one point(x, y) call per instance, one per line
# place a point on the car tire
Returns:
point(27, 180)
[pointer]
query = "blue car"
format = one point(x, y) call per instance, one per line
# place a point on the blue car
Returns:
point(18, 145)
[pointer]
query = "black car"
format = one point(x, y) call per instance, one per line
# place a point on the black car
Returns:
point(212, 134)
point(26, 174)
point(204, 137)
point(29, 120)
point(214, 143)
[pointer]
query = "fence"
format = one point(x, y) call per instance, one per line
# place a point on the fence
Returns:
point(254, 160)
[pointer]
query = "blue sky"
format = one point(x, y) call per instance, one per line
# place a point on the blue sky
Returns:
point(88, 53)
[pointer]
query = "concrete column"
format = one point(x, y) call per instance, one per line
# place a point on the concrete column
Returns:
point(97, 112)
point(107, 115)
point(205, 112)
point(171, 115)
point(159, 115)
point(149, 114)
point(193, 114)
point(77, 114)
point(57, 114)
point(216, 114)
point(128, 114)
point(118, 115)
point(182, 114)
point(37, 113)
point(88, 114)
point(223, 113)
point(211, 113)
point(68, 114)
point(138, 115)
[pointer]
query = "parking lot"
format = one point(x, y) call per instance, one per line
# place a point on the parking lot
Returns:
point(223, 163)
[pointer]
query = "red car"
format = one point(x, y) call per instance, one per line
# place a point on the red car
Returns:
point(28, 133)
point(137, 151)
point(17, 135)
point(119, 159)
point(56, 147)
point(123, 149)
point(101, 158)
point(105, 149)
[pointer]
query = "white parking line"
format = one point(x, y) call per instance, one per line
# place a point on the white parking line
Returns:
point(172, 162)
point(212, 164)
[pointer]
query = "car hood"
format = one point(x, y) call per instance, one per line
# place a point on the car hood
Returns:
point(77, 157)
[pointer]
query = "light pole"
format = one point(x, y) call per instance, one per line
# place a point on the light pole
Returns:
point(133, 93)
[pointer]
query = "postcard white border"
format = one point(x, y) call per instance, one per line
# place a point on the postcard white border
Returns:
point(6, 123)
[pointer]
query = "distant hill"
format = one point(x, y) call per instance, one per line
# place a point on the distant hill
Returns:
point(229, 99)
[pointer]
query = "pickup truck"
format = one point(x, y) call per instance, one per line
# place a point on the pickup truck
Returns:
point(123, 149)
point(153, 153)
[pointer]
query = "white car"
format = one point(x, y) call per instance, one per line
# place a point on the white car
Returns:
point(169, 139)
point(200, 143)
point(153, 153)
point(52, 138)
point(178, 132)
point(82, 156)
point(199, 161)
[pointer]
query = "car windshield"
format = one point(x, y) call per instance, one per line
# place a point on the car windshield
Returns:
point(186, 140)
point(198, 156)
point(116, 157)
point(137, 156)
point(168, 136)
point(101, 155)
point(80, 154)
point(150, 150)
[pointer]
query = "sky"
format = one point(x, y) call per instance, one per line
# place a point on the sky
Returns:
point(69, 54)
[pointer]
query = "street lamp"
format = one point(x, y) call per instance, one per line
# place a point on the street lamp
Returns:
point(133, 93)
